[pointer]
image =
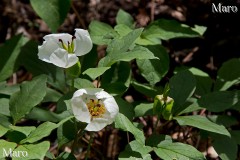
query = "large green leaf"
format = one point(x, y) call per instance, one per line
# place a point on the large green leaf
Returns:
point(219, 101)
point(30, 94)
point(125, 18)
point(117, 79)
point(124, 49)
point(9, 53)
point(29, 59)
point(204, 82)
point(202, 123)
point(228, 75)
point(7, 89)
point(135, 148)
point(93, 73)
point(4, 103)
point(34, 151)
point(66, 133)
point(182, 86)
point(26, 130)
point(145, 89)
point(153, 70)
point(125, 107)
point(143, 109)
point(178, 151)
point(53, 12)
point(42, 131)
point(52, 95)
point(122, 122)
point(168, 29)
point(101, 33)
point(5, 146)
point(82, 83)
point(226, 147)
point(235, 135)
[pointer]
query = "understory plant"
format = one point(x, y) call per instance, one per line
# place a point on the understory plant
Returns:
point(73, 95)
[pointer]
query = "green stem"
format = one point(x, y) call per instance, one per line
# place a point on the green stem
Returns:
point(72, 84)
point(89, 145)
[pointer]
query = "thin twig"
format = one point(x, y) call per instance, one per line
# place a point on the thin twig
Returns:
point(78, 16)
point(89, 145)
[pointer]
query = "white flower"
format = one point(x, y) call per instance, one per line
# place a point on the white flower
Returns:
point(95, 107)
point(62, 49)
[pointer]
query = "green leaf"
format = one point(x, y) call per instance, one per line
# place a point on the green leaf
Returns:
point(200, 29)
point(66, 156)
point(93, 73)
point(228, 75)
point(145, 89)
point(42, 131)
point(121, 45)
point(168, 29)
point(26, 130)
point(7, 89)
point(124, 18)
point(52, 96)
point(155, 140)
point(135, 147)
point(35, 151)
point(122, 122)
point(123, 30)
point(182, 86)
point(4, 103)
point(89, 60)
point(225, 120)
point(53, 12)
point(45, 115)
point(190, 105)
point(9, 53)
point(82, 83)
point(204, 82)
point(30, 94)
point(101, 33)
point(153, 70)
point(235, 135)
point(219, 101)
point(125, 108)
point(143, 109)
point(202, 123)
point(117, 79)
point(3, 130)
point(6, 146)
point(66, 133)
point(178, 151)
point(29, 59)
point(226, 147)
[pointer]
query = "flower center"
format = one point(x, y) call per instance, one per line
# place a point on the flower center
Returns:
point(69, 47)
point(96, 108)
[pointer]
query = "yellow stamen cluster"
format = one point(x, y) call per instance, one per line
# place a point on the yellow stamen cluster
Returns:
point(96, 108)
point(69, 47)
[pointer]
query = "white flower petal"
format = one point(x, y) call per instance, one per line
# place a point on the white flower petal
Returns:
point(79, 92)
point(93, 91)
point(61, 58)
point(83, 42)
point(65, 37)
point(102, 94)
point(97, 124)
point(80, 110)
point(46, 49)
point(111, 106)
